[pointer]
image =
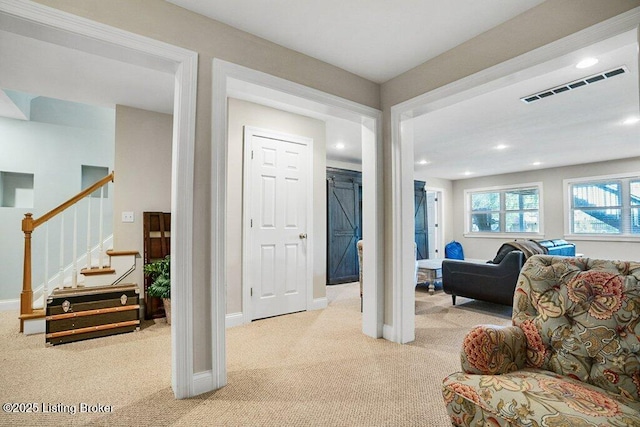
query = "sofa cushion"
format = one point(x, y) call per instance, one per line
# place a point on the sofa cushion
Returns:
point(581, 318)
point(531, 397)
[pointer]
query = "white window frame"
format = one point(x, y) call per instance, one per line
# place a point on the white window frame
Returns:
point(568, 233)
point(503, 188)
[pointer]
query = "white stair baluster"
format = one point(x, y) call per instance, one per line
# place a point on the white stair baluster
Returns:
point(74, 271)
point(45, 286)
point(101, 238)
point(61, 270)
point(89, 233)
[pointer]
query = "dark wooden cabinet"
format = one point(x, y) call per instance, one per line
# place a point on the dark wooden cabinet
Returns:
point(422, 225)
point(344, 225)
point(157, 245)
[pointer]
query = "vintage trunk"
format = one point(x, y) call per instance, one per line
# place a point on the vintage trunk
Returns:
point(83, 313)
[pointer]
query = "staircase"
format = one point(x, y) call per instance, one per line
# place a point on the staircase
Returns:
point(101, 268)
point(118, 266)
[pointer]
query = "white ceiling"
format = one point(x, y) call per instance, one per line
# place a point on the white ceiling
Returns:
point(46, 69)
point(580, 126)
point(375, 39)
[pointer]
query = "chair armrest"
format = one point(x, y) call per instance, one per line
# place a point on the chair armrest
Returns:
point(487, 282)
point(491, 350)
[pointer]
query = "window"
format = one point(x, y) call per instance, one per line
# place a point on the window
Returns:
point(607, 206)
point(504, 210)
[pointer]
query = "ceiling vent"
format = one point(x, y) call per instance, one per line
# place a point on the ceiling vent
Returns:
point(574, 85)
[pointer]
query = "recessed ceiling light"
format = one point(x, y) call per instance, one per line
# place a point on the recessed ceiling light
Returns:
point(500, 146)
point(340, 146)
point(536, 163)
point(631, 120)
point(423, 162)
point(586, 63)
point(467, 173)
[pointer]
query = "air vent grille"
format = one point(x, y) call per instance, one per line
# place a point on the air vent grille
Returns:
point(574, 85)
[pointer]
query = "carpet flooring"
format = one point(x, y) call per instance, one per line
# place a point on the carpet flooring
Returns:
point(305, 369)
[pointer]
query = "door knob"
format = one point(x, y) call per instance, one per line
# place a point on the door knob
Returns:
point(303, 235)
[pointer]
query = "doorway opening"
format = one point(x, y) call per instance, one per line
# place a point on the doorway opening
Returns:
point(237, 82)
point(39, 23)
point(408, 133)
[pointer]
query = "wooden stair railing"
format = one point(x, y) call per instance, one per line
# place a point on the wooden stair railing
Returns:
point(29, 224)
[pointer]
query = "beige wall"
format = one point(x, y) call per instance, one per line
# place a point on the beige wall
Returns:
point(553, 199)
point(541, 25)
point(142, 168)
point(243, 113)
point(164, 21)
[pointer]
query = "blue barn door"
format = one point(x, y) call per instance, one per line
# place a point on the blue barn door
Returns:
point(343, 227)
point(422, 225)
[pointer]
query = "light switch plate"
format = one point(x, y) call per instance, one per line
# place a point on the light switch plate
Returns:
point(127, 216)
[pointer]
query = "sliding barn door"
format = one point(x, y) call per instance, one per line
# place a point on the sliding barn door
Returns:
point(422, 226)
point(343, 229)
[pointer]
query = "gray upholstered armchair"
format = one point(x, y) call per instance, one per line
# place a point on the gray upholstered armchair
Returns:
point(570, 358)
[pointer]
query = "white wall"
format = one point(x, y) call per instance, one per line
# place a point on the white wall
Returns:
point(553, 199)
point(142, 176)
point(243, 113)
point(53, 152)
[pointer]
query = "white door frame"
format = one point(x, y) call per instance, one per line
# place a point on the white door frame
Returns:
point(111, 42)
point(247, 307)
point(402, 150)
point(231, 80)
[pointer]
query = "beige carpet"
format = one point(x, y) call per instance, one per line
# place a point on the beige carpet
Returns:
point(305, 369)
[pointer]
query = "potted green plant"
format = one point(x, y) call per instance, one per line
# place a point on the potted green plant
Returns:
point(160, 273)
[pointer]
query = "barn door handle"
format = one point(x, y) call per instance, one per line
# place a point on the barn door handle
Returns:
point(303, 235)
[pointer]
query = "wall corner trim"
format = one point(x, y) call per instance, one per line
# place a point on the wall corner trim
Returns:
point(319, 303)
point(234, 319)
point(202, 382)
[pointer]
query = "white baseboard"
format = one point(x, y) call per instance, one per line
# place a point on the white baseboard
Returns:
point(319, 303)
point(388, 332)
point(234, 319)
point(34, 326)
point(9, 304)
point(202, 382)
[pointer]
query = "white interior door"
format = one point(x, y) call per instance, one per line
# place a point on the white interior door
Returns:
point(277, 234)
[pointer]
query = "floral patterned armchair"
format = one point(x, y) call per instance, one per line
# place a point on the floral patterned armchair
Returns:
point(571, 358)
